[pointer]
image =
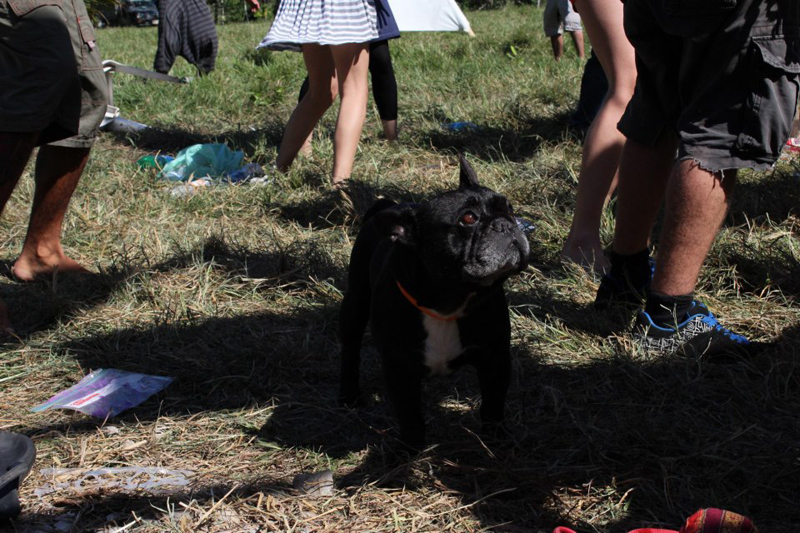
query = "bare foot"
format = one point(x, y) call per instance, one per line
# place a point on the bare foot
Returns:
point(30, 267)
point(588, 255)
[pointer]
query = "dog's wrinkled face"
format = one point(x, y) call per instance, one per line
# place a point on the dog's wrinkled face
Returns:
point(471, 235)
point(468, 235)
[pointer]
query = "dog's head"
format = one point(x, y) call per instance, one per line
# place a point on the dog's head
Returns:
point(466, 236)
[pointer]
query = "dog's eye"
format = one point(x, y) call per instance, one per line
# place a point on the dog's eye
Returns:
point(469, 218)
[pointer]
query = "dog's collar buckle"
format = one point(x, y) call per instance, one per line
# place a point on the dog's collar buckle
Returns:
point(430, 312)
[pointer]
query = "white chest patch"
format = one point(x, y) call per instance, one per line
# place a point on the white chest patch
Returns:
point(442, 345)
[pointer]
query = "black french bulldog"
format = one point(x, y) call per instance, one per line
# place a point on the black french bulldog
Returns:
point(429, 278)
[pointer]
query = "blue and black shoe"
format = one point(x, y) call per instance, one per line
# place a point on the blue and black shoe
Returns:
point(698, 334)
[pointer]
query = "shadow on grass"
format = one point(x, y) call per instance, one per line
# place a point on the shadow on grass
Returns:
point(173, 140)
point(642, 442)
point(327, 210)
point(775, 195)
point(40, 305)
point(492, 143)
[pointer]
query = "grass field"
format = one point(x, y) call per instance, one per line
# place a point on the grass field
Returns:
point(235, 292)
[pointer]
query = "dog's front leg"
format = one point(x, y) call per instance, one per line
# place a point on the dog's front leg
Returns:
point(404, 389)
point(353, 319)
point(494, 377)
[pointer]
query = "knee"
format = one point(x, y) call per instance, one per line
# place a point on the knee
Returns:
point(323, 96)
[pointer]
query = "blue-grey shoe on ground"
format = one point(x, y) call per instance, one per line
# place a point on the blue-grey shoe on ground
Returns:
point(17, 454)
point(697, 334)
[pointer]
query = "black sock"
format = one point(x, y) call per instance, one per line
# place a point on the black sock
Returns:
point(633, 269)
point(665, 310)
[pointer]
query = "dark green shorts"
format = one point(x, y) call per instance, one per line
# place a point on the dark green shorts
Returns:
point(720, 74)
point(51, 75)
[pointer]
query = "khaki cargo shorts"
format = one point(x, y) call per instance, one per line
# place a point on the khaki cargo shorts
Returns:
point(560, 16)
point(51, 75)
point(722, 75)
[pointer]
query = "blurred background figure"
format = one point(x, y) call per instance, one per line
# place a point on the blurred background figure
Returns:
point(186, 28)
point(559, 16)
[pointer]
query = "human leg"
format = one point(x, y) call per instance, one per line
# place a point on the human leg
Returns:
point(306, 148)
point(58, 170)
point(594, 89)
point(15, 150)
point(602, 149)
point(639, 198)
point(59, 165)
point(696, 203)
point(384, 86)
point(321, 94)
point(577, 40)
point(557, 43)
point(672, 321)
point(48, 72)
point(352, 64)
point(639, 195)
point(571, 21)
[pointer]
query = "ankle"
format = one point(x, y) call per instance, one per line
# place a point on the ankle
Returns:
point(668, 310)
point(633, 268)
point(41, 251)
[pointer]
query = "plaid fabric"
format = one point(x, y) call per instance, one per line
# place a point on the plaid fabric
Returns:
point(703, 521)
point(718, 521)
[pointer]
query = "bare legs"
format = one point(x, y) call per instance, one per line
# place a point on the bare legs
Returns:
point(603, 146)
point(323, 89)
point(352, 65)
point(696, 204)
point(577, 40)
point(58, 170)
point(332, 70)
point(639, 196)
point(557, 42)
point(15, 150)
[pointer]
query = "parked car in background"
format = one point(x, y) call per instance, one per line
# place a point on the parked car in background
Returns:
point(138, 13)
point(127, 13)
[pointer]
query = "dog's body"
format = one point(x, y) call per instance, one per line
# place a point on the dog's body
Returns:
point(429, 279)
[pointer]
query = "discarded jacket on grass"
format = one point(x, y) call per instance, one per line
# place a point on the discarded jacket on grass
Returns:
point(202, 160)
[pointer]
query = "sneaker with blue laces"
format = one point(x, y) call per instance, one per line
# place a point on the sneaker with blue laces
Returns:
point(698, 334)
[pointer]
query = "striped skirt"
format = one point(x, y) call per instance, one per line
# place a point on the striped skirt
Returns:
point(327, 22)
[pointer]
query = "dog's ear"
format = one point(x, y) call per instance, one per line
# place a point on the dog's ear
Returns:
point(398, 223)
point(467, 179)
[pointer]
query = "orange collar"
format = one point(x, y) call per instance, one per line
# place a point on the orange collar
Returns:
point(430, 312)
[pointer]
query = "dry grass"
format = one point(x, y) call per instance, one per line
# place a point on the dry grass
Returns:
point(235, 293)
